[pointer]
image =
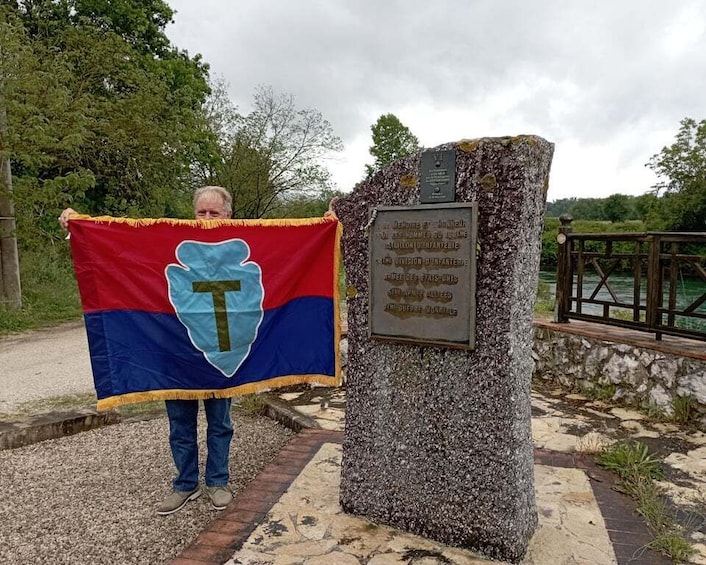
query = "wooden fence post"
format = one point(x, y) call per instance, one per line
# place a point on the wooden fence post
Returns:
point(10, 292)
point(563, 274)
point(654, 285)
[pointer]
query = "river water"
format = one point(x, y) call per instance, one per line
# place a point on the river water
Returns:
point(688, 290)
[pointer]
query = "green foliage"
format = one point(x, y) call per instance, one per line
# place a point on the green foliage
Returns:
point(588, 209)
point(49, 292)
point(615, 208)
point(598, 391)
point(669, 535)
point(649, 206)
point(683, 407)
point(62, 403)
point(271, 158)
point(303, 206)
point(671, 542)
point(252, 404)
point(544, 304)
point(653, 411)
point(682, 168)
point(650, 505)
point(638, 469)
point(551, 229)
point(631, 461)
point(392, 140)
point(558, 207)
point(141, 409)
point(103, 114)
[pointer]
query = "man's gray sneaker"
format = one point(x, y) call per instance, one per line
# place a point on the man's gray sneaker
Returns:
point(220, 496)
point(177, 500)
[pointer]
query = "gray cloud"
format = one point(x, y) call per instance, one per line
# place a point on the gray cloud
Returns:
point(591, 74)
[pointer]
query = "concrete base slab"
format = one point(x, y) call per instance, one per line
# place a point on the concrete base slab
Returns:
point(308, 521)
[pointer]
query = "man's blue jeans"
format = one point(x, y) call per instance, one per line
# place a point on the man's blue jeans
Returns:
point(183, 441)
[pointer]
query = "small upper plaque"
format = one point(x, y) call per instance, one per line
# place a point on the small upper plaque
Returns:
point(437, 177)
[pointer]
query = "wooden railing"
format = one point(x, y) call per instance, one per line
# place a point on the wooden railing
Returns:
point(659, 263)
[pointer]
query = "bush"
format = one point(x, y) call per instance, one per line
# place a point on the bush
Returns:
point(49, 291)
point(550, 246)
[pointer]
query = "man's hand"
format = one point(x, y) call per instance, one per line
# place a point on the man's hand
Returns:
point(64, 217)
point(330, 213)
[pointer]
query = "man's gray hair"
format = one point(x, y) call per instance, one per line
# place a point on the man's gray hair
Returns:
point(220, 191)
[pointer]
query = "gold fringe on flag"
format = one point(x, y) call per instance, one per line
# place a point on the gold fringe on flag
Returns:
point(205, 224)
point(242, 390)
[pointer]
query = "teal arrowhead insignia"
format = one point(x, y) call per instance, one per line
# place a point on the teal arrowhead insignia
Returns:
point(218, 294)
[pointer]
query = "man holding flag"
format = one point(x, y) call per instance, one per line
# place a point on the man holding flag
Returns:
point(209, 203)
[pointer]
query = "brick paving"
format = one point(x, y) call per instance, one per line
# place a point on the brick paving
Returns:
point(227, 533)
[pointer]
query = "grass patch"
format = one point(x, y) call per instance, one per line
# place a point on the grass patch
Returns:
point(597, 391)
point(592, 443)
point(638, 469)
point(49, 292)
point(252, 404)
point(64, 403)
point(683, 407)
point(674, 544)
point(141, 409)
point(544, 304)
point(70, 402)
point(631, 461)
point(653, 411)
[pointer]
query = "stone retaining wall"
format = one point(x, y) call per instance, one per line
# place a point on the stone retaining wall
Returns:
point(634, 373)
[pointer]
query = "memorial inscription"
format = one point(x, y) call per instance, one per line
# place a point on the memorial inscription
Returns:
point(437, 177)
point(422, 274)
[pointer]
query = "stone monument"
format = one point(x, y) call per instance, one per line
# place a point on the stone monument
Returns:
point(441, 251)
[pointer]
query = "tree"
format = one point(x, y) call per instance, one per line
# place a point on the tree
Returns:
point(108, 119)
point(272, 156)
point(391, 141)
point(682, 166)
point(587, 209)
point(616, 208)
point(558, 207)
point(13, 65)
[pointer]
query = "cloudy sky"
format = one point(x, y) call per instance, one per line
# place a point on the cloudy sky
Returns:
point(606, 81)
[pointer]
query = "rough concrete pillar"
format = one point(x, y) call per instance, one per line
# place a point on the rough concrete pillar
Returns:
point(438, 440)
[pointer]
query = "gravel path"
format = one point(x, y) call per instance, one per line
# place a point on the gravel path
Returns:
point(91, 498)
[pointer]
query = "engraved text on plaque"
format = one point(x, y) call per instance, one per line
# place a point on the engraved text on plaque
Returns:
point(422, 274)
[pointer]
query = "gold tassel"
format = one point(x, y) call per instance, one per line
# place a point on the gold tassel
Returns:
point(242, 390)
point(206, 224)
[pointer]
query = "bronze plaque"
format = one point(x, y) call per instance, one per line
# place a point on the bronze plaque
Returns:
point(437, 177)
point(423, 274)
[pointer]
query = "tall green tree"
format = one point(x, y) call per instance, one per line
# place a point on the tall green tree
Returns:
point(392, 140)
point(108, 118)
point(681, 167)
point(272, 157)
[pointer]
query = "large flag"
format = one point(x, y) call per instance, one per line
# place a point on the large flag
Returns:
point(207, 308)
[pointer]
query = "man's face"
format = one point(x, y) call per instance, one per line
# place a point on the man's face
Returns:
point(209, 207)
